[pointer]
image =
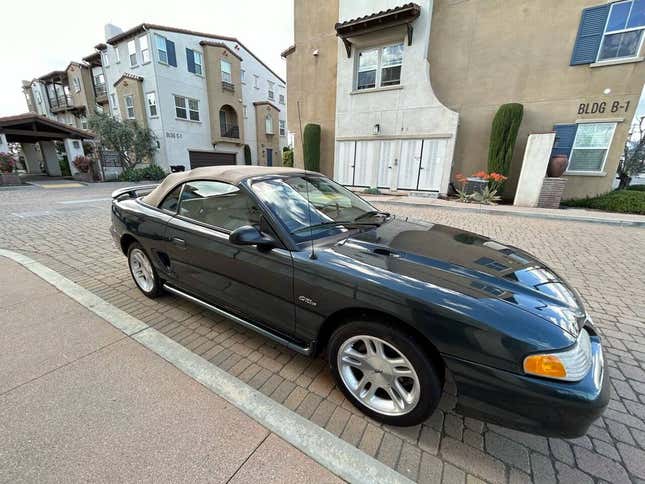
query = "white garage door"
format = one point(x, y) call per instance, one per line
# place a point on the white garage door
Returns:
point(407, 164)
point(344, 162)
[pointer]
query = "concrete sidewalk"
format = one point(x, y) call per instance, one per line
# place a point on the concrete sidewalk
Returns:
point(81, 401)
point(566, 214)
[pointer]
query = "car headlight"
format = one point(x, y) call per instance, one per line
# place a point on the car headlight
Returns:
point(569, 365)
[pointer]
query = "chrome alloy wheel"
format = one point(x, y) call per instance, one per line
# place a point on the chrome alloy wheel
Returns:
point(378, 375)
point(142, 270)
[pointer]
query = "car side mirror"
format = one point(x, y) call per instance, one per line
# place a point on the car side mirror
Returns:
point(249, 235)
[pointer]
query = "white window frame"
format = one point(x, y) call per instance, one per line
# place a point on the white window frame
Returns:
point(154, 104)
point(256, 81)
point(198, 55)
point(113, 102)
point(379, 66)
point(145, 49)
point(222, 63)
point(129, 107)
point(268, 124)
point(132, 53)
point(245, 113)
point(282, 129)
point(77, 84)
point(621, 31)
point(105, 59)
point(161, 50)
point(573, 147)
point(186, 107)
point(117, 54)
point(281, 98)
point(271, 90)
point(242, 76)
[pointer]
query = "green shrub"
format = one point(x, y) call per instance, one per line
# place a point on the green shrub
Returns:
point(311, 147)
point(621, 201)
point(151, 172)
point(372, 191)
point(287, 157)
point(64, 167)
point(503, 135)
point(247, 155)
point(636, 188)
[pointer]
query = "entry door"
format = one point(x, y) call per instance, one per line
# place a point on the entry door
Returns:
point(388, 163)
point(344, 162)
point(409, 163)
point(269, 157)
point(432, 164)
point(366, 163)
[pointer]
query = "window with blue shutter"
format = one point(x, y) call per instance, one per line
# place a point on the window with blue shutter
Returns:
point(590, 31)
point(565, 134)
point(172, 57)
point(190, 60)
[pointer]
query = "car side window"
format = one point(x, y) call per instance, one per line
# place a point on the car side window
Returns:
point(171, 202)
point(218, 204)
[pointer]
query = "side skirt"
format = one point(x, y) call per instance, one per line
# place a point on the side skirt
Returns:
point(305, 350)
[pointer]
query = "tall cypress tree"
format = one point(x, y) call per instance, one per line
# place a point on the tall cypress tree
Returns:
point(311, 147)
point(503, 135)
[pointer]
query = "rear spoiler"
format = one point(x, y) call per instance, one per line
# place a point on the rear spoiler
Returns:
point(133, 192)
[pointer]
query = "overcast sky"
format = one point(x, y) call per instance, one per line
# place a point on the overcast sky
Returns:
point(39, 36)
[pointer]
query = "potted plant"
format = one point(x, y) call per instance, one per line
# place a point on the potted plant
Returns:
point(8, 175)
point(84, 166)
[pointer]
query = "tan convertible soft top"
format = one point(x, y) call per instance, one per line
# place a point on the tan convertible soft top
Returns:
point(232, 174)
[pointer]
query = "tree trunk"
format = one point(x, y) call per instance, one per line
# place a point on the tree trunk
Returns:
point(625, 180)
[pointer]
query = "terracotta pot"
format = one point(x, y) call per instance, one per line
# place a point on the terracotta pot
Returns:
point(557, 166)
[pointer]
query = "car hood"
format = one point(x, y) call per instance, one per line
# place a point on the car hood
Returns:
point(469, 263)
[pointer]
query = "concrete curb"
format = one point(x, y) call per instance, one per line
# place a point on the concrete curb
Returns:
point(547, 216)
point(341, 458)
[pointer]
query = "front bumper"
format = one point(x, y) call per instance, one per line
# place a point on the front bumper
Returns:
point(532, 404)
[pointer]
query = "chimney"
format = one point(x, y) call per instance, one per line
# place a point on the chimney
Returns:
point(111, 30)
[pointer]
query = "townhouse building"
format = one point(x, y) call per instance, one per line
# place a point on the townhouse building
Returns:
point(405, 93)
point(204, 96)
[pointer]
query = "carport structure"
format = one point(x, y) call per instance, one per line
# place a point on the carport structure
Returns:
point(31, 129)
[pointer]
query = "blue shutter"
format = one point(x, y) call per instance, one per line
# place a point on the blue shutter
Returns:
point(172, 57)
point(565, 134)
point(190, 60)
point(592, 26)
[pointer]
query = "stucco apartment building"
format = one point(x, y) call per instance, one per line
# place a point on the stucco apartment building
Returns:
point(204, 96)
point(406, 93)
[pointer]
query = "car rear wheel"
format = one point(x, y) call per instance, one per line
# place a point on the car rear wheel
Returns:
point(143, 272)
point(384, 372)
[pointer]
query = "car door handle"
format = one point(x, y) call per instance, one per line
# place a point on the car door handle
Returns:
point(179, 242)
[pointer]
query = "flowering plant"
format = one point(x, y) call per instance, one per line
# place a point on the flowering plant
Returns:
point(461, 191)
point(7, 163)
point(82, 163)
point(486, 196)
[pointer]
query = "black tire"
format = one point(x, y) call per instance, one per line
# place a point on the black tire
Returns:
point(430, 381)
point(156, 288)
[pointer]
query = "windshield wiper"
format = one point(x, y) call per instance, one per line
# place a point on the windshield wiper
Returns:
point(372, 213)
point(331, 224)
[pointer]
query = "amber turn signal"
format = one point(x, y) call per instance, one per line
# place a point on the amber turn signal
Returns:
point(545, 365)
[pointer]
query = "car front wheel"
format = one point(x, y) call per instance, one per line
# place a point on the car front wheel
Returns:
point(143, 272)
point(384, 372)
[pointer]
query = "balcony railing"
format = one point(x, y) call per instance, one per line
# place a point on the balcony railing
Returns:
point(230, 131)
point(100, 90)
point(60, 102)
point(229, 86)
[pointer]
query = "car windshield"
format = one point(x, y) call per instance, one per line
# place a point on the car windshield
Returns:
point(314, 206)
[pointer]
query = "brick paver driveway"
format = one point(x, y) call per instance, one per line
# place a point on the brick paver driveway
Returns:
point(67, 229)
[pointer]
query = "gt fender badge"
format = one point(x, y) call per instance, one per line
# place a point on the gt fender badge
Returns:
point(307, 300)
